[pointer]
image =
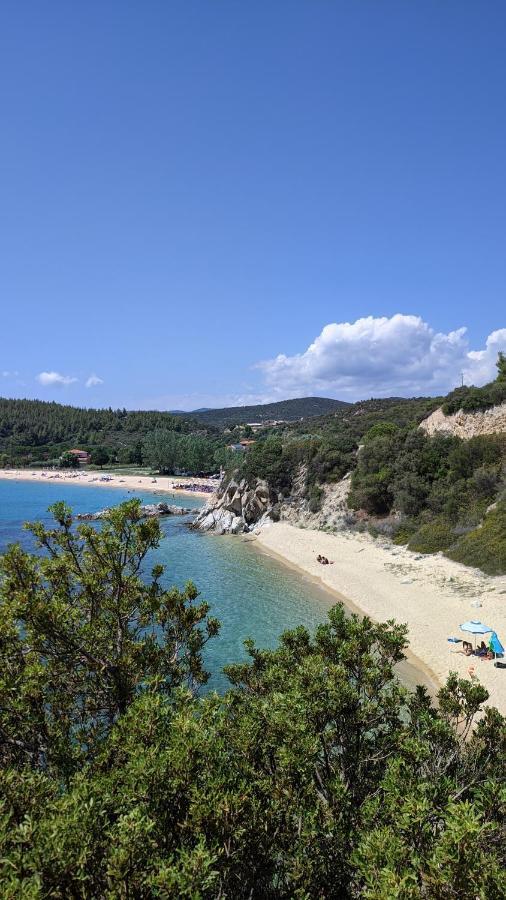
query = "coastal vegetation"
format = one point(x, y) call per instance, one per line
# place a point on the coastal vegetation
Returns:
point(315, 775)
point(36, 433)
point(169, 452)
point(431, 492)
point(474, 399)
point(34, 429)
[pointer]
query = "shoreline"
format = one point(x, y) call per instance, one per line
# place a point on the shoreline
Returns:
point(431, 594)
point(162, 484)
point(411, 671)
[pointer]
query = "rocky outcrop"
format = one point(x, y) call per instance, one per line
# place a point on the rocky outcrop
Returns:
point(466, 425)
point(148, 511)
point(333, 512)
point(237, 507)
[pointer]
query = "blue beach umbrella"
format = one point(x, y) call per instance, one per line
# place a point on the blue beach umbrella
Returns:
point(495, 645)
point(475, 627)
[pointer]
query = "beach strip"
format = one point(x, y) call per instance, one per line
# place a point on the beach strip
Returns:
point(431, 594)
point(157, 484)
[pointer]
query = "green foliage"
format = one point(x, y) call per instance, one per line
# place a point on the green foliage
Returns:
point(474, 399)
point(485, 547)
point(271, 459)
point(68, 461)
point(437, 483)
point(82, 635)
point(131, 455)
point(432, 537)
point(50, 428)
point(315, 775)
point(501, 367)
point(315, 497)
point(169, 452)
point(380, 429)
point(100, 456)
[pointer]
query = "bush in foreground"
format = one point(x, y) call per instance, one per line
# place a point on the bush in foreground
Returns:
point(315, 775)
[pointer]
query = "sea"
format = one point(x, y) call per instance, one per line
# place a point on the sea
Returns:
point(253, 595)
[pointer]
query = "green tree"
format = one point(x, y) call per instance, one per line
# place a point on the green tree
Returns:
point(100, 456)
point(501, 367)
point(316, 775)
point(83, 635)
point(161, 451)
point(69, 461)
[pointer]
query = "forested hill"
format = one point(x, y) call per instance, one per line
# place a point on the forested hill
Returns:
point(285, 410)
point(32, 424)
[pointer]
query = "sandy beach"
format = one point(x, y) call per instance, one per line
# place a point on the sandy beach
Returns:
point(432, 594)
point(106, 479)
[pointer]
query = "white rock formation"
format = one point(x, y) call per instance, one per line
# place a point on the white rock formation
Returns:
point(467, 424)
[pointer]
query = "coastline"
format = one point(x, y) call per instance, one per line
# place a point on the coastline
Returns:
point(162, 485)
point(431, 594)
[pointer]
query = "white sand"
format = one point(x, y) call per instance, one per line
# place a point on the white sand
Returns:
point(432, 594)
point(127, 482)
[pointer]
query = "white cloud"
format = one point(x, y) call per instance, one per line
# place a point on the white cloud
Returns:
point(7, 374)
point(51, 379)
point(401, 355)
point(93, 380)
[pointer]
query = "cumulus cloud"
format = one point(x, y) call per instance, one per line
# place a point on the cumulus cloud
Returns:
point(51, 379)
point(401, 355)
point(93, 380)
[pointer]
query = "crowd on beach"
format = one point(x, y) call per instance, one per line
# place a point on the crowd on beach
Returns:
point(204, 486)
point(194, 487)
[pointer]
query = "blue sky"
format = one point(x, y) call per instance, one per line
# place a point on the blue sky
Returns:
point(195, 198)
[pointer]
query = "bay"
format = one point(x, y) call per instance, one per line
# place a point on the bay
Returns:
point(253, 595)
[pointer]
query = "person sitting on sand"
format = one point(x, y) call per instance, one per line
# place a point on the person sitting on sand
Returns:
point(323, 560)
point(484, 651)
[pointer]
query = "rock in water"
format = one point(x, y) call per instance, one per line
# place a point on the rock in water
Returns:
point(148, 511)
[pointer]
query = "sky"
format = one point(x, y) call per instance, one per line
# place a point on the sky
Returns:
point(215, 203)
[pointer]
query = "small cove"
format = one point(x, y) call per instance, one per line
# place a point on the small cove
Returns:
point(252, 594)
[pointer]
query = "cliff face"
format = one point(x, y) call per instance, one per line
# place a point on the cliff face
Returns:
point(236, 507)
point(467, 425)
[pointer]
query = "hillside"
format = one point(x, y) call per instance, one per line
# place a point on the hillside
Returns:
point(37, 429)
point(430, 489)
point(284, 410)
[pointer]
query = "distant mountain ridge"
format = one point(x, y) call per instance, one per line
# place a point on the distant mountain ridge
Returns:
point(286, 410)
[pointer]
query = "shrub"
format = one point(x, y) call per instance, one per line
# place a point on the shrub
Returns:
point(485, 547)
point(432, 537)
point(473, 399)
point(315, 497)
point(404, 533)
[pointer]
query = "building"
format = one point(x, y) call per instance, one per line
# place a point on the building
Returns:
point(82, 455)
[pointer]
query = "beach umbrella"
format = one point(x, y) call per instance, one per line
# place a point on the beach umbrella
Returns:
point(475, 627)
point(495, 645)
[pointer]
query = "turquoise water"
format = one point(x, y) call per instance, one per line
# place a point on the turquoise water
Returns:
point(251, 594)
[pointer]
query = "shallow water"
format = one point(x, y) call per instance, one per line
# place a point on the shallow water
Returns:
point(251, 594)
